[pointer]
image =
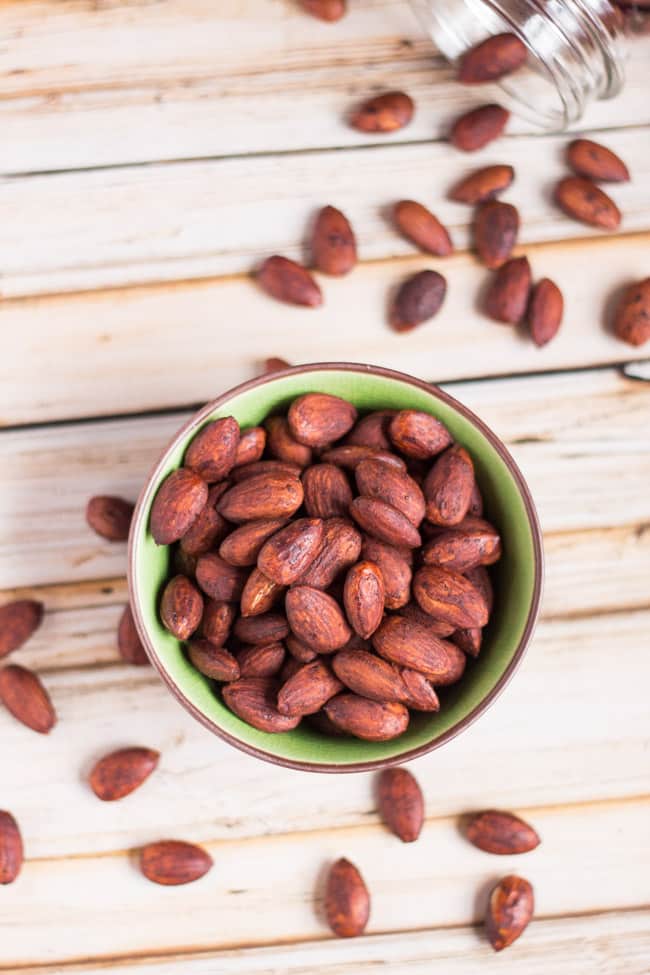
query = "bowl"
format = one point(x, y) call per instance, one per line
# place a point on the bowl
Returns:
point(517, 576)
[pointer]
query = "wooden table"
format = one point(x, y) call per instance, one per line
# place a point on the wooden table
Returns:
point(152, 153)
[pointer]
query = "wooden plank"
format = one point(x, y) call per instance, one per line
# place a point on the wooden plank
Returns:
point(546, 741)
point(568, 432)
point(265, 890)
point(118, 352)
point(133, 225)
point(611, 944)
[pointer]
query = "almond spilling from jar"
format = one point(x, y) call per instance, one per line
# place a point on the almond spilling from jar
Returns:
point(482, 185)
point(494, 58)
point(423, 228)
point(387, 112)
point(596, 162)
point(347, 901)
point(479, 127)
point(401, 803)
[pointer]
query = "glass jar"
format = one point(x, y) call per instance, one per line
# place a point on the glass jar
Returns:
point(576, 50)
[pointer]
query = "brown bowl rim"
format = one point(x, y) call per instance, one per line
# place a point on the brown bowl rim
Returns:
point(533, 612)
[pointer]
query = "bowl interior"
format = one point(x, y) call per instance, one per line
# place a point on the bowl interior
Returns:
point(515, 576)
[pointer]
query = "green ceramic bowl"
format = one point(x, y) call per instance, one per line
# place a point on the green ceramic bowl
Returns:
point(518, 575)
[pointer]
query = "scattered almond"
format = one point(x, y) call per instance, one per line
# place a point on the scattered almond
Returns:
point(347, 901)
point(501, 833)
point(477, 128)
point(401, 803)
point(288, 281)
point(333, 244)
point(122, 772)
point(18, 620)
point(590, 159)
point(545, 311)
point(494, 58)
point(482, 185)
point(384, 113)
point(110, 517)
point(496, 226)
point(418, 299)
point(632, 316)
point(586, 202)
point(173, 862)
point(422, 227)
point(128, 640)
point(506, 299)
point(24, 696)
point(510, 910)
point(11, 848)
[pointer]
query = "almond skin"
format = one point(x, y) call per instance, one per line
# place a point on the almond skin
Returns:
point(590, 159)
point(172, 862)
point(347, 901)
point(372, 430)
point(333, 244)
point(349, 456)
point(251, 446)
point(217, 620)
point(448, 487)
point(128, 641)
point(420, 693)
point(24, 696)
point(584, 201)
point(409, 644)
point(242, 546)
point(449, 597)
point(420, 226)
point(327, 491)
point(209, 528)
point(11, 848)
point(369, 720)
point(340, 548)
point(288, 281)
point(368, 675)
point(327, 10)
point(218, 579)
point(122, 772)
point(506, 299)
point(262, 496)
point(545, 311)
point(110, 517)
point(494, 58)
point(496, 226)
point(385, 522)
point(632, 316)
point(18, 620)
point(510, 909)
point(318, 419)
point(473, 542)
point(316, 619)
point(310, 687)
point(363, 598)
point(279, 467)
point(181, 607)
point(501, 833)
point(377, 480)
point(261, 660)
point(418, 435)
point(395, 570)
point(401, 803)
point(212, 661)
point(254, 700)
point(267, 628)
point(477, 128)
point(180, 499)
point(482, 185)
point(288, 553)
point(212, 452)
point(384, 113)
point(418, 299)
point(282, 445)
point(259, 594)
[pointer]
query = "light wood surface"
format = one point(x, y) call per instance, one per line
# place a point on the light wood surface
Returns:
point(151, 154)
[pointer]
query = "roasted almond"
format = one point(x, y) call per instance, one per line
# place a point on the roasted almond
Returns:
point(289, 668)
point(409, 644)
point(493, 58)
point(181, 607)
point(288, 281)
point(318, 419)
point(328, 10)
point(316, 619)
point(496, 226)
point(363, 598)
point(267, 628)
point(122, 772)
point(24, 696)
point(347, 901)
point(377, 480)
point(545, 310)
point(282, 445)
point(261, 660)
point(299, 650)
point(469, 640)
point(418, 435)
point(510, 909)
point(368, 675)
point(584, 201)
point(632, 316)
point(18, 620)
point(209, 528)
point(128, 640)
point(350, 456)
point(369, 720)
point(11, 848)
point(383, 521)
point(456, 663)
point(413, 612)
point(274, 364)
point(480, 579)
point(501, 832)
point(590, 159)
point(418, 299)
point(254, 700)
point(288, 553)
point(242, 546)
point(482, 184)
point(212, 452)
point(395, 570)
point(448, 487)
point(310, 687)
point(372, 430)
point(420, 693)
point(280, 467)
point(327, 491)
point(477, 128)
point(422, 227)
point(401, 803)
point(340, 548)
point(180, 499)
point(333, 244)
point(251, 446)
point(506, 299)
point(262, 496)
point(259, 594)
point(213, 661)
point(173, 862)
point(218, 579)
point(217, 620)
point(110, 517)
point(449, 597)
point(384, 113)
point(473, 542)
point(476, 503)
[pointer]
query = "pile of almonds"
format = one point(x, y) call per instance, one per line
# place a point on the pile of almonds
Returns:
point(335, 571)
